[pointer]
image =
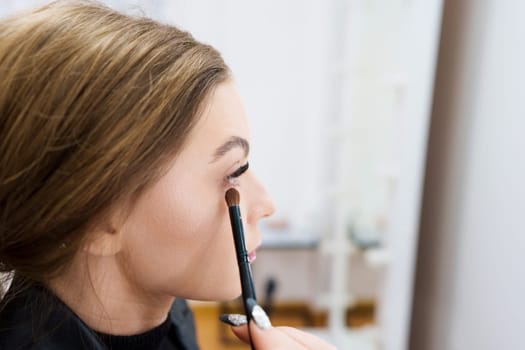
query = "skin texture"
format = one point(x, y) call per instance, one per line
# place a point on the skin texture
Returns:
point(177, 239)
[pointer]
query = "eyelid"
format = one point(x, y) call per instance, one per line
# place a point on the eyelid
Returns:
point(232, 179)
point(239, 171)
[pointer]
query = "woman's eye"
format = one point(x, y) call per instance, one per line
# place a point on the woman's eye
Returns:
point(233, 176)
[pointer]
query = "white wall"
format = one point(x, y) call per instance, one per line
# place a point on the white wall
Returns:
point(277, 51)
point(470, 289)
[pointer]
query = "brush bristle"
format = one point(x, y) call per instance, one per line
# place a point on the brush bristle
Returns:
point(232, 197)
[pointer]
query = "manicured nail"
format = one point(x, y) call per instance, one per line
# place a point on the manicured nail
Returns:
point(259, 316)
point(235, 320)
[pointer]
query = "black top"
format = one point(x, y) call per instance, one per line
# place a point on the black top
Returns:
point(36, 319)
point(156, 338)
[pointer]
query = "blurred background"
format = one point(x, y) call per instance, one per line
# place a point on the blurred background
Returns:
point(390, 135)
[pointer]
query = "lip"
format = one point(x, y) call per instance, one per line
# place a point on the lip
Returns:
point(252, 255)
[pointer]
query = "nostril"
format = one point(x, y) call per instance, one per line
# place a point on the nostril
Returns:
point(268, 213)
point(256, 215)
point(271, 207)
point(266, 207)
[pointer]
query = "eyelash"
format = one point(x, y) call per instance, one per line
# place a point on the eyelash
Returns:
point(231, 179)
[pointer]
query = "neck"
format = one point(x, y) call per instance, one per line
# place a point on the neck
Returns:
point(107, 299)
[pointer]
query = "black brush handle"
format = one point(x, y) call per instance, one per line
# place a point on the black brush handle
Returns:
point(248, 290)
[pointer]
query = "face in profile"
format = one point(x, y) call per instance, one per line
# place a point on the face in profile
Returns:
point(177, 239)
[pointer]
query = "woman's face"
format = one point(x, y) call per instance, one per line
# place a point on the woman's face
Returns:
point(177, 240)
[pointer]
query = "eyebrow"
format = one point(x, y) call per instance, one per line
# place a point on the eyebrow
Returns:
point(231, 143)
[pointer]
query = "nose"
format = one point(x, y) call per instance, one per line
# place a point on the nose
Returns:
point(259, 204)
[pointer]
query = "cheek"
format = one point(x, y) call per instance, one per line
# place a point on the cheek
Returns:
point(209, 269)
point(173, 220)
point(182, 244)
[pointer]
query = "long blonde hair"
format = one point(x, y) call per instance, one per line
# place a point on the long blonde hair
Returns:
point(92, 105)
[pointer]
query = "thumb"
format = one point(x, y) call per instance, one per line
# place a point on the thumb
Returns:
point(272, 338)
point(240, 328)
point(262, 338)
point(242, 333)
point(260, 328)
point(240, 325)
point(263, 335)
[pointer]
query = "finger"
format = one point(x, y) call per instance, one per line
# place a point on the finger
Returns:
point(241, 332)
point(306, 339)
point(273, 338)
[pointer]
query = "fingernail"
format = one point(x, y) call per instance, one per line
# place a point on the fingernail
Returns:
point(235, 320)
point(259, 316)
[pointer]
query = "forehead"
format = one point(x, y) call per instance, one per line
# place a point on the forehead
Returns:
point(223, 116)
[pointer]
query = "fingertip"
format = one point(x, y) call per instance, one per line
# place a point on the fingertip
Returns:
point(258, 314)
point(242, 332)
point(233, 319)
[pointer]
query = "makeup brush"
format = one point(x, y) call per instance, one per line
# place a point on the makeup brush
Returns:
point(248, 291)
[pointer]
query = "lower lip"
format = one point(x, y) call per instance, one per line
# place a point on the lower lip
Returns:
point(252, 256)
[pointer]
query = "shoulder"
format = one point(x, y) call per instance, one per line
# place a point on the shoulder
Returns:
point(33, 320)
